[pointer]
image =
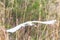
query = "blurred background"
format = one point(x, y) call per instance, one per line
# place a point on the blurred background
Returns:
point(15, 12)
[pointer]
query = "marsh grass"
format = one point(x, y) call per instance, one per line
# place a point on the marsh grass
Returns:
point(14, 12)
point(3, 34)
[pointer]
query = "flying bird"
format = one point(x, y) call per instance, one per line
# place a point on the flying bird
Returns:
point(29, 23)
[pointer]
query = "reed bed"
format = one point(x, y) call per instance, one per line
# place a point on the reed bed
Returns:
point(14, 12)
point(3, 34)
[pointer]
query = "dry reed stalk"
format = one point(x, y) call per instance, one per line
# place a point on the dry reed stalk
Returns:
point(2, 13)
point(3, 34)
point(53, 10)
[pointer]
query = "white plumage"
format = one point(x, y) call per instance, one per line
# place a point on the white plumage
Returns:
point(29, 23)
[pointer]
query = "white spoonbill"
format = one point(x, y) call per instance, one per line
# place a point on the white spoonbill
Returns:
point(29, 23)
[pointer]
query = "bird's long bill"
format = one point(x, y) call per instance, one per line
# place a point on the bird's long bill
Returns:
point(45, 22)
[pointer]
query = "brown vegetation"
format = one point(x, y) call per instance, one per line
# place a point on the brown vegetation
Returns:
point(3, 34)
point(14, 12)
